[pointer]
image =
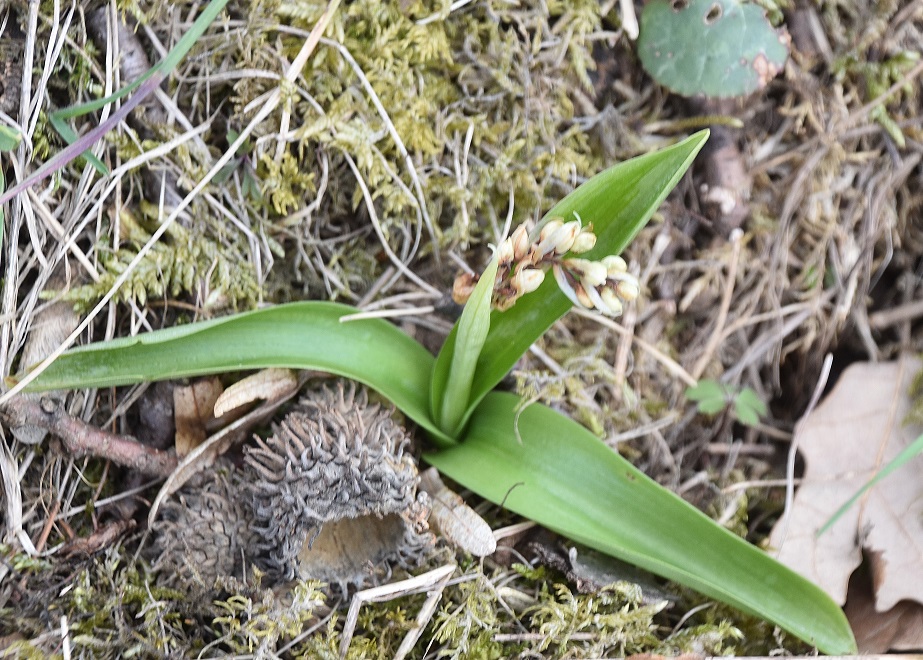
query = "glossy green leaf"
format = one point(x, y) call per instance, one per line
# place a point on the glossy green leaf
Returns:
point(618, 202)
point(305, 335)
point(557, 473)
point(453, 371)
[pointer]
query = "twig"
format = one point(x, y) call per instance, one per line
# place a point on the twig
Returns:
point(82, 439)
point(793, 450)
point(888, 317)
point(435, 578)
point(715, 337)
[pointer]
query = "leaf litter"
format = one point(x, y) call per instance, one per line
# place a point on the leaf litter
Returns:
point(516, 100)
point(852, 436)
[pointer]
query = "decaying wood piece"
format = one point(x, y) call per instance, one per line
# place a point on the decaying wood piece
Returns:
point(82, 439)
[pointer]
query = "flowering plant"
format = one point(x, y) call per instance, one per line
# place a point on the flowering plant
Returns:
point(535, 462)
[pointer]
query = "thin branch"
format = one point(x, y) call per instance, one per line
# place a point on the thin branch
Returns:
point(81, 439)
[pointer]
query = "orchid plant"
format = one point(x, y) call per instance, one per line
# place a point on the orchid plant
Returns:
point(535, 462)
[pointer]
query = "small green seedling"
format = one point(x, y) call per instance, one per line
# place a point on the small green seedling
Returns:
point(249, 185)
point(712, 397)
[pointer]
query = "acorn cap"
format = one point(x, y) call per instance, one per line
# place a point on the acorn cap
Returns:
point(333, 493)
point(204, 533)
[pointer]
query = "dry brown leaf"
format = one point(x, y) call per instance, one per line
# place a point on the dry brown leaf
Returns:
point(192, 410)
point(898, 629)
point(459, 524)
point(264, 385)
point(857, 430)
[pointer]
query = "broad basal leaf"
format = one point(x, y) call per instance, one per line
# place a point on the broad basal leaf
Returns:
point(305, 335)
point(563, 477)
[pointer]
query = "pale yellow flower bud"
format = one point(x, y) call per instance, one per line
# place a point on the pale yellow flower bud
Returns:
point(628, 289)
point(592, 273)
point(612, 301)
point(527, 280)
point(615, 265)
point(505, 252)
point(585, 241)
point(582, 297)
point(564, 238)
point(549, 228)
point(521, 243)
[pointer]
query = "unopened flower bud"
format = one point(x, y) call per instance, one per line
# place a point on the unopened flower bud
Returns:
point(549, 228)
point(564, 238)
point(527, 280)
point(627, 290)
point(463, 287)
point(505, 252)
point(550, 237)
point(585, 241)
point(582, 297)
point(612, 301)
point(521, 243)
point(614, 265)
point(592, 273)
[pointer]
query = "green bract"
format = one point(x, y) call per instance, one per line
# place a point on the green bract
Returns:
point(559, 474)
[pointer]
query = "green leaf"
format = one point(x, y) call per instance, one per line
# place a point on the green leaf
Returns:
point(305, 335)
point(564, 478)
point(453, 371)
point(718, 48)
point(618, 202)
point(749, 407)
point(9, 138)
point(707, 390)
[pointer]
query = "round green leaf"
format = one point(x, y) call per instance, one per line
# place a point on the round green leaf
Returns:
point(717, 48)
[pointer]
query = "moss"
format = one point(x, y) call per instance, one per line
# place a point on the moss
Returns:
point(216, 274)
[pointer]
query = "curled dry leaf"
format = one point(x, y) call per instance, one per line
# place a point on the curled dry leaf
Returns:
point(192, 411)
point(264, 385)
point(50, 327)
point(457, 522)
point(857, 430)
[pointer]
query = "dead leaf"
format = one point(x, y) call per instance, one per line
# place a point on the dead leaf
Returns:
point(898, 629)
point(459, 524)
point(265, 385)
point(854, 433)
point(193, 407)
point(206, 453)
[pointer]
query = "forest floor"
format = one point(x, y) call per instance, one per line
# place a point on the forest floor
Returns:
point(790, 253)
